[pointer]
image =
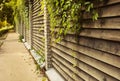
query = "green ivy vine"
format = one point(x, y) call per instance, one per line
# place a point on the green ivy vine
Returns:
point(67, 15)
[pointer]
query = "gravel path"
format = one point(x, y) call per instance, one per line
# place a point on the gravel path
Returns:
point(16, 64)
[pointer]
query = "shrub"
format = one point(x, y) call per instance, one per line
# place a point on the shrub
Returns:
point(5, 30)
point(20, 38)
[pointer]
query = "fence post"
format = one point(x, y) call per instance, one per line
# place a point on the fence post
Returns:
point(47, 39)
point(30, 24)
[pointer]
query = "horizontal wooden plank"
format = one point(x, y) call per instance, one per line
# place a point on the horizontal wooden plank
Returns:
point(95, 72)
point(96, 54)
point(39, 42)
point(65, 70)
point(113, 35)
point(61, 72)
point(84, 75)
point(102, 67)
point(40, 48)
point(110, 11)
point(37, 15)
point(37, 10)
point(35, 2)
point(38, 22)
point(39, 39)
point(37, 35)
point(37, 49)
point(36, 28)
point(106, 3)
point(85, 67)
point(38, 19)
point(113, 1)
point(105, 23)
point(37, 25)
point(106, 11)
point(68, 71)
point(36, 7)
point(98, 44)
point(40, 45)
point(92, 62)
point(39, 31)
point(103, 45)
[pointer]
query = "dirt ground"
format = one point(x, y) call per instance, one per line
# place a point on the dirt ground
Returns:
point(16, 64)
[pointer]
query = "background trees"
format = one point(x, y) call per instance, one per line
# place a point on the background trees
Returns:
point(6, 12)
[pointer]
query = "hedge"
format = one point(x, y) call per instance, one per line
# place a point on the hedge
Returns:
point(5, 30)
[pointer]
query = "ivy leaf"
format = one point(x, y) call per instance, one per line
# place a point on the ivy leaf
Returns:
point(89, 6)
point(95, 15)
point(57, 3)
point(68, 14)
point(86, 3)
point(62, 2)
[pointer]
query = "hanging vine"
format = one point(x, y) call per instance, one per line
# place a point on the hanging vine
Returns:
point(67, 15)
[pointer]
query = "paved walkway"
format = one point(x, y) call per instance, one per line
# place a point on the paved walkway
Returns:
point(16, 64)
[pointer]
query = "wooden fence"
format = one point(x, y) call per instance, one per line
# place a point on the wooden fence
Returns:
point(96, 57)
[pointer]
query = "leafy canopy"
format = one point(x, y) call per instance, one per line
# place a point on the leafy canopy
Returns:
point(6, 12)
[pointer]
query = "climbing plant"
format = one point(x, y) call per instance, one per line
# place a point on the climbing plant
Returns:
point(67, 15)
point(20, 10)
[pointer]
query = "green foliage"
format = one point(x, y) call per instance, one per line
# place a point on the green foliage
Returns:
point(20, 38)
point(67, 15)
point(42, 60)
point(3, 23)
point(5, 30)
point(44, 79)
point(37, 67)
point(6, 12)
point(20, 10)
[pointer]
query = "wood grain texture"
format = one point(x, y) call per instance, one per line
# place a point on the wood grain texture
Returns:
point(106, 12)
point(104, 23)
point(113, 35)
point(96, 54)
point(37, 23)
point(97, 50)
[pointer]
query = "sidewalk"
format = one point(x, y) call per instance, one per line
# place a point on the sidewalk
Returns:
point(16, 64)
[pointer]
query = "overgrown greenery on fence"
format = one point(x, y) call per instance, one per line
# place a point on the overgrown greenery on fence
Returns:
point(67, 15)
